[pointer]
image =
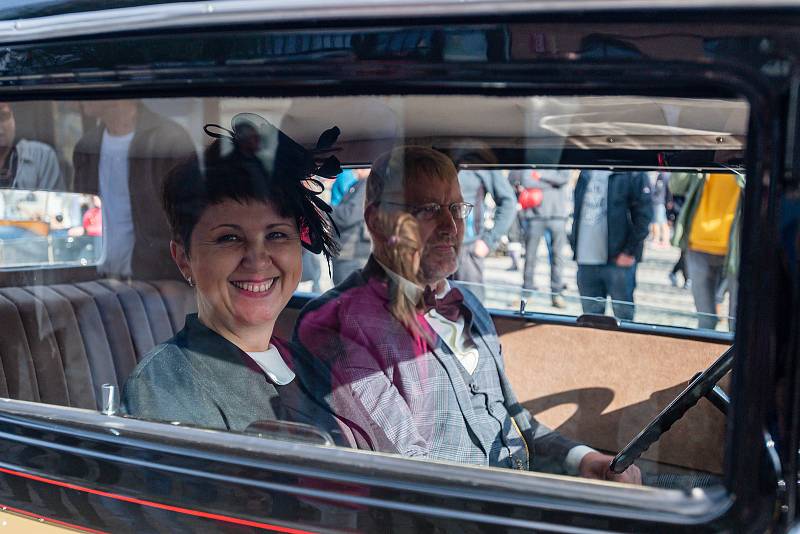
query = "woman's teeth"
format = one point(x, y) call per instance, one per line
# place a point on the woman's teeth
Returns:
point(255, 288)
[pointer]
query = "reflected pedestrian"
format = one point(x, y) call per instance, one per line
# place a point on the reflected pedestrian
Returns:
point(708, 229)
point(659, 228)
point(341, 185)
point(480, 241)
point(312, 272)
point(612, 214)
point(25, 164)
point(674, 206)
point(354, 242)
point(542, 196)
point(125, 159)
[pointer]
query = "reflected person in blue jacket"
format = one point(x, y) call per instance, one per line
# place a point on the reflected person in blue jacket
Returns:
point(613, 211)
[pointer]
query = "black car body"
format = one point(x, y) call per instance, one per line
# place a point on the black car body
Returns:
point(84, 469)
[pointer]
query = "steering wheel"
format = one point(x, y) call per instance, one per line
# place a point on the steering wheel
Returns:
point(700, 386)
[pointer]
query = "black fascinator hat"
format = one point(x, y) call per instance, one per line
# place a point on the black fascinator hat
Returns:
point(254, 159)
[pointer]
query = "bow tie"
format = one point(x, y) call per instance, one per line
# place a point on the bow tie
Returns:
point(448, 307)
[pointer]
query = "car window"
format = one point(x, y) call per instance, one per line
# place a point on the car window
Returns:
point(517, 282)
point(521, 269)
point(49, 229)
point(537, 263)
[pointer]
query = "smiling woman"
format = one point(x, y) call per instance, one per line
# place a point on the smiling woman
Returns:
point(245, 263)
point(238, 227)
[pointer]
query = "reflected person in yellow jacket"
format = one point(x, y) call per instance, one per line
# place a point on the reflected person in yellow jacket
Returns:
point(708, 228)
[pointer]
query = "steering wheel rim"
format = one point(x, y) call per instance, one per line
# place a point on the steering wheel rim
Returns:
point(698, 388)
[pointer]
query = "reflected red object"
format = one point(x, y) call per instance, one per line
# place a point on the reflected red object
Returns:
point(530, 198)
point(93, 221)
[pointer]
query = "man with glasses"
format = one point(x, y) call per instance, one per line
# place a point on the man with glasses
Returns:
point(436, 388)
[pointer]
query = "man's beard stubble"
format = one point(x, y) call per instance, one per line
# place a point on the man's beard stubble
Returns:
point(435, 274)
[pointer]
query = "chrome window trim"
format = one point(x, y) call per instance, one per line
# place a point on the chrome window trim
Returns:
point(539, 490)
point(224, 12)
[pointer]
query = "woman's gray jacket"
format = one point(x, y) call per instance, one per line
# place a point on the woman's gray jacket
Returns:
point(200, 378)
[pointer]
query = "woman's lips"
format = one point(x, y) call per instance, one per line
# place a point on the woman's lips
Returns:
point(254, 288)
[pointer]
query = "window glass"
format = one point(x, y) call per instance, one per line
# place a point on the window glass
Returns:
point(545, 264)
point(49, 229)
point(449, 243)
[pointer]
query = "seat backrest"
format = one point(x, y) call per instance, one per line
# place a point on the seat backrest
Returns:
point(62, 342)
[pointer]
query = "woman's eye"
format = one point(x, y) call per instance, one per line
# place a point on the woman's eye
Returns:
point(277, 236)
point(228, 238)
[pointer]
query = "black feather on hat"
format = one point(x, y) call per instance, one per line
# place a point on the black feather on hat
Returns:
point(255, 143)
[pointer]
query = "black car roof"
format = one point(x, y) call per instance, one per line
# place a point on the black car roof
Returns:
point(26, 9)
point(30, 20)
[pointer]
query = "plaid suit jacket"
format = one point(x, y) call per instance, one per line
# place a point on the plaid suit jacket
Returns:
point(401, 394)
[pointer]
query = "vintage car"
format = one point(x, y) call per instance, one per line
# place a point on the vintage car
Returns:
point(709, 415)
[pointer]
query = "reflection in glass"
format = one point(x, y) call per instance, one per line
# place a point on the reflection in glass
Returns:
point(49, 229)
point(518, 160)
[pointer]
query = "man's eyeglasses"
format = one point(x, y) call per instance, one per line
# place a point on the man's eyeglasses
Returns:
point(427, 212)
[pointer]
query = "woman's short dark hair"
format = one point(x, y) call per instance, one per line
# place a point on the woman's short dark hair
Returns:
point(230, 168)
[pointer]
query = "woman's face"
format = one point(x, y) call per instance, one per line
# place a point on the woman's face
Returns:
point(245, 262)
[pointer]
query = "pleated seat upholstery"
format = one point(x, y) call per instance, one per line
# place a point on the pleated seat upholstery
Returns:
point(60, 343)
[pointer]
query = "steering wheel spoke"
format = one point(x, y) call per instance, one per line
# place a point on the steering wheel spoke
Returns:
point(703, 385)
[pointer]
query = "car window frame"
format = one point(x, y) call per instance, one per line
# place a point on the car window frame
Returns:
point(758, 162)
point(558, 494)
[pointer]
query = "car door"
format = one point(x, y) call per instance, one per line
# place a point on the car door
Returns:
point(558, 87)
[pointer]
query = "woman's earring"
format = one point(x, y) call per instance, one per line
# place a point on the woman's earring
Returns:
point(189, 281)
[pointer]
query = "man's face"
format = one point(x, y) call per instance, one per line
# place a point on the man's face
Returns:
point(101, 109)
point(441, 236)
point(94, 108)
point(8, 126)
